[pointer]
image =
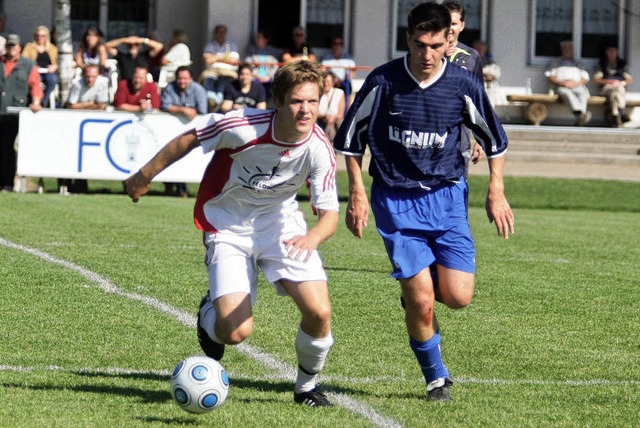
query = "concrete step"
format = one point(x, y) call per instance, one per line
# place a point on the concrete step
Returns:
point(601, 148)
point(568, 170)
point(574, 157)
point(573, 134)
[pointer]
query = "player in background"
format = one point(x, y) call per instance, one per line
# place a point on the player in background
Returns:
point(247, 210)
point(409, 112)
point(468, 58)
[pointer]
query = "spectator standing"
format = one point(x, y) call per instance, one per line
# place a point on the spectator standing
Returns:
point(3, 38)
point(91, 92)
point(612, 75)
point(178, 55)
point(19, 82)
point(221, 57)
point(569, 80)
point(188, 98)
point(298, 48)
point(332, 106)
point(341, 64)
point(92, 50)
point(138, 53)
point(244, 92)
point(45, 55)
point(247, 211)
point(137, 94)
point(409, 113)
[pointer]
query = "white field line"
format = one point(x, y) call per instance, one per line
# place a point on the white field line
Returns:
point(329, 378)
point(189, 320)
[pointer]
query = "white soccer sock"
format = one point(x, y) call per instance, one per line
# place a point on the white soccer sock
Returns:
point(312, 354)
point(208, 320)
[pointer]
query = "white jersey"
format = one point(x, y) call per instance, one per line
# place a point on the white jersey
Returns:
point(253, 176)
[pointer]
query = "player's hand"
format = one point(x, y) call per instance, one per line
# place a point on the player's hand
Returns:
point(477, 153)
point(301, 247)
point(357, 213)
point(499, 211)
point(137, 185)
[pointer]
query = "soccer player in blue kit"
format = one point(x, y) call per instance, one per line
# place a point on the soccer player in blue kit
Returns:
point(409, 112)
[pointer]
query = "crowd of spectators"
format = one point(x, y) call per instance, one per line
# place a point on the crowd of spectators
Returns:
point(139, 74)
point(142, 75)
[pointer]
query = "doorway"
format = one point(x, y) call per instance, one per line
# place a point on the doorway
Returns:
point(278, 20)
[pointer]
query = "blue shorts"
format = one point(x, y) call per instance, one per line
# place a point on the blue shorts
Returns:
point(420, 227)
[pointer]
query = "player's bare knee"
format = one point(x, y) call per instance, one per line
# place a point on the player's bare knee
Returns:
point(320, 315)
point(233, 334)
point(458, 300)
point(422, 307)
point(458, 304)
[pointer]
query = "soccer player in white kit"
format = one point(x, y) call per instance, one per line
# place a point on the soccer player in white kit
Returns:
point(247, 210)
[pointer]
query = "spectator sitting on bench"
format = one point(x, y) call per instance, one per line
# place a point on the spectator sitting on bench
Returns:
point(613, 77)
point(570, 79)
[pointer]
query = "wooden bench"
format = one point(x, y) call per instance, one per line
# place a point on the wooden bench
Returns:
point(535, 110)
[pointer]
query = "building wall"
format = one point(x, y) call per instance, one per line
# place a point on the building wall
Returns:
point(24, 15)
point(171, 14)
point(509, 44)
point(371, 38)
point(371, 31)
point(237, 15)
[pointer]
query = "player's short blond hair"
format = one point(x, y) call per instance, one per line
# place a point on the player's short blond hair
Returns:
point(295, 73)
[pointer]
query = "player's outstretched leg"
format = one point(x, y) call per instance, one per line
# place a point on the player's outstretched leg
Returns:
point(312, 354)
point(206, 316)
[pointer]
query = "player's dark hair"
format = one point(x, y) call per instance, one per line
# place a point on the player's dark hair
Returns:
point(431, 17)
point(455, 6)
point(295, 73)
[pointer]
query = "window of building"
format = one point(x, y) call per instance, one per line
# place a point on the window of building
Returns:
point(590, 24)
point(322, 19)
point(475, 22)
point(116, 18)
point(325, 19)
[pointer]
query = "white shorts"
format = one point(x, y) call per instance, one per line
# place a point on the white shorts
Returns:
point(233, 259)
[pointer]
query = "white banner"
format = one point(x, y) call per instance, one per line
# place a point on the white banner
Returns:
point(101, 145)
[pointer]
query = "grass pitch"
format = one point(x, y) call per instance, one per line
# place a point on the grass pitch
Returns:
point(551, 338)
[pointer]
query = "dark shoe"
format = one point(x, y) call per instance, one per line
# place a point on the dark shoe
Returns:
point(624, 118)
point(440, 393)
point(211, 349)
point(313, 398)
point(583, 118)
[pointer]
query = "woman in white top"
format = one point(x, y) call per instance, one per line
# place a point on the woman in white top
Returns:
point(332, 106)
point(177, 55)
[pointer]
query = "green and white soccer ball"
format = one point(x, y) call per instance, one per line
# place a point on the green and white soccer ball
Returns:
point(199, 384)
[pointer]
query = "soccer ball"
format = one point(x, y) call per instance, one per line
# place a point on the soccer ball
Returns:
point(199, 384)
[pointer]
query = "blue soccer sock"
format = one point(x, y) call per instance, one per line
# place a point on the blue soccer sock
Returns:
point(430, 358)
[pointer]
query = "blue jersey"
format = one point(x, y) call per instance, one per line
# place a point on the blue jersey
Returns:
point(467, 58)
point(413, 131)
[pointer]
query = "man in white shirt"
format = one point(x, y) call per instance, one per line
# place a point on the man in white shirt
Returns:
point(91, 92)
point(570, 80)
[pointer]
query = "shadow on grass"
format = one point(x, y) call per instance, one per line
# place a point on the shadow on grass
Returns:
point(145, 395)
point(154, 396)
point(172, 421)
